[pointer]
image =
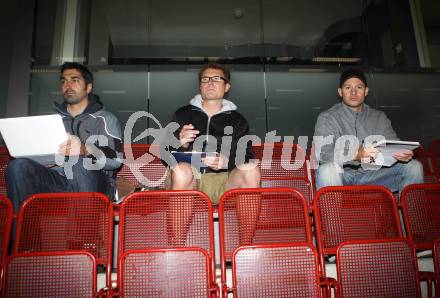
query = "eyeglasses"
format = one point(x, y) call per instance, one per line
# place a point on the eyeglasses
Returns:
point(214, 79)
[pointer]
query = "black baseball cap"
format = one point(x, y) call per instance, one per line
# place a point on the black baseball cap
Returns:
point(352, 73)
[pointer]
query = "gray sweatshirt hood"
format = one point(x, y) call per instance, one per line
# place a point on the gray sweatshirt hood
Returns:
point(226, 104)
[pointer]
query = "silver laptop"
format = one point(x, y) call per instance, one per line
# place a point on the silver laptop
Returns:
point(34, 137)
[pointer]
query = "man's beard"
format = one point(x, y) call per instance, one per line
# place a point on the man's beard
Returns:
point(73, 98)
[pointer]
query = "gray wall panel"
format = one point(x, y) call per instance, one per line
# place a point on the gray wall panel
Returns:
point(411, 101)
point(44, 91)
point(294, 97)
point(247, 92)
point(170, 88)
point(124, 93)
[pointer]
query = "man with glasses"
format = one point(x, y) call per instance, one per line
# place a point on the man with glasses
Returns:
point(212, 124)
point(352, 117)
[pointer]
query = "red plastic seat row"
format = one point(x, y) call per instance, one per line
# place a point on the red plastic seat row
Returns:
point(250, 217)
point(373, 268)
point(276, 160)
point(49, 223)
point(176, 219)
point(153, 219)
point(353, 205)
point(365, 268)
point(171, 219)
point(369, 215)
point(378, 268)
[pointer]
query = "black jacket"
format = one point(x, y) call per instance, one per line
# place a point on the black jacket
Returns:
point(212, 131)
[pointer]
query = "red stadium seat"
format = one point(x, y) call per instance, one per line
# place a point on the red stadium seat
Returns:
point(4, 161)
point(434, 155)
point(377, 268)
point(178, 272)
point(146, 221)
point(150, 167)
point(278, 270)
point(261, 216)
point(431, 178)
point(278, 160)
point(436, 258)
point(421, 212)
point(6, 215)
point(420, 155)
point(301, 184)
point(50, 274)
point(344, 213)
point(67, 221)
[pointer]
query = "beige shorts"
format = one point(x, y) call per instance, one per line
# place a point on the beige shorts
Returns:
point(212, 184)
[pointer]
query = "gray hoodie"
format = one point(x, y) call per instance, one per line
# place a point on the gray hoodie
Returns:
point(95, 120)
point(340, 120)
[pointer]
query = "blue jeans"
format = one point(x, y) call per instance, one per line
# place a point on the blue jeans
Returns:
point(25, 177)
point(395, 177)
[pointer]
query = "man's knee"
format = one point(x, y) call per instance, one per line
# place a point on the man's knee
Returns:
point(182, 173)
point(415, 166)
point(330, 169)
point(248, 175)
point(250, 169)
point(19, 166)
point(329, 174)
point(413, 169)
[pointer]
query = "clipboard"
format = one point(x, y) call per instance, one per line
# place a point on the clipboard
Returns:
point(192, 157)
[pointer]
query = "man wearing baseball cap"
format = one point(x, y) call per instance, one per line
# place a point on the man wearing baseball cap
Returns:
point(341, 138)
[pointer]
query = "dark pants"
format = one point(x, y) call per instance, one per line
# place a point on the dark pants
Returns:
point(25, 177)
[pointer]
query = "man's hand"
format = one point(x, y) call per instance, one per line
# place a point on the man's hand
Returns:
point(187, 135)
point(72, 147)
point(405, 155)
point(366, 154)
point(215, 161)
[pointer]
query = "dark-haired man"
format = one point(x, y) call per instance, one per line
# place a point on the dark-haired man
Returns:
point(93, 134)
point(211, 123)
point(353, 118)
